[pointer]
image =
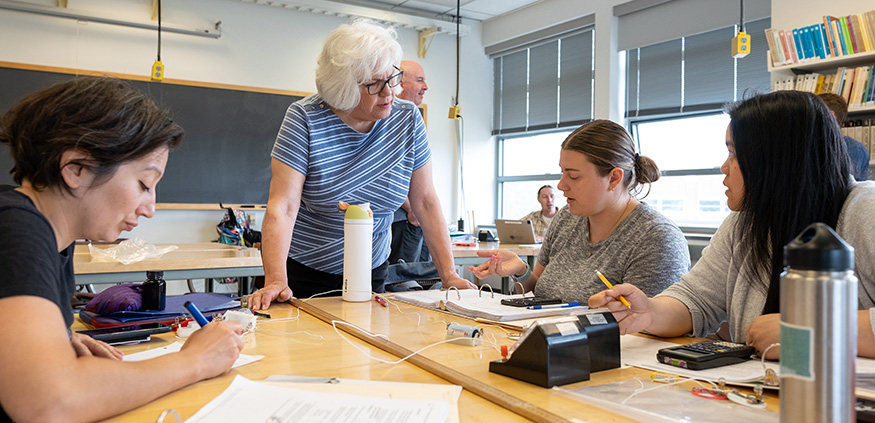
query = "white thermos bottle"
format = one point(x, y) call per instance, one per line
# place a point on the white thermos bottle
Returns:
point(818, 328)
point(358, 230)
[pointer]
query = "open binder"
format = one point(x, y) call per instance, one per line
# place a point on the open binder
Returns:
point(479, 304)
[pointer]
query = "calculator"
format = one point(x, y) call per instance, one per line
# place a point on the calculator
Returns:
point(705, 355)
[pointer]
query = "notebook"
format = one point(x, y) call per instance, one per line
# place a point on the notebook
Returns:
point(516, 231)
point(473, 304)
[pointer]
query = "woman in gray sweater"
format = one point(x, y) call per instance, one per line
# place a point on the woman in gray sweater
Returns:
point(787, 168)
point(604, 227)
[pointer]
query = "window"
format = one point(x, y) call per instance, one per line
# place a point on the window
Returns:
point(543, 90)
point(689, 152)
point(526, 163)
point(675, 92)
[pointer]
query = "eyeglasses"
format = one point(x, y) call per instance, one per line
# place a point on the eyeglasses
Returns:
point(375, 88)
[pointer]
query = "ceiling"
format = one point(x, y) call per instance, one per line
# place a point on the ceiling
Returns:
point(471, 10)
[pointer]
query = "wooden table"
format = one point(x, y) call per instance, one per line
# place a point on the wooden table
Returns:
point(468, 256)
point(406, 325)
point(206, 260)
point(301, 355)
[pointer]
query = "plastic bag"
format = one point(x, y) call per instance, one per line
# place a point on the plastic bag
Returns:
point(129, 251)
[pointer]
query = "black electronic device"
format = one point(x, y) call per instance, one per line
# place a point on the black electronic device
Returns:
point(126, 333)
point(530, 301)
point(565, 350)
point(705, 355)
point(486, 235)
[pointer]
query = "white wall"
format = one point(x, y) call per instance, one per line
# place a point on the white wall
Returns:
point(260, 46)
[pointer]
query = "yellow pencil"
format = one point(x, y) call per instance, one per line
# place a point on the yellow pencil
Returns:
point(605, 280)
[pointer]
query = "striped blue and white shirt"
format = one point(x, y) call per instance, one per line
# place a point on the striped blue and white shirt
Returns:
point(342, 164)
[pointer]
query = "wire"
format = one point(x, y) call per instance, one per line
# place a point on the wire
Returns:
point(458, 45)
point(365, 353)
point(741, 18)
point(159, 30)
point(461, 137)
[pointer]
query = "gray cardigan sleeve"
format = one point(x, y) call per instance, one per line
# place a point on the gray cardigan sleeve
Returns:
point(705, 289)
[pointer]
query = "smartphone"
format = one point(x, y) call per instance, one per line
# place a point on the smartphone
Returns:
point(530, 301)
point(126, 333)
point(705, 355)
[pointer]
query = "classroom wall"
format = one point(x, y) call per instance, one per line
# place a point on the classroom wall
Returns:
point(260, 46)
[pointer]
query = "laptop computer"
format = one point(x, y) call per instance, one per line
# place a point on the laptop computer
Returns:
point(515, 231)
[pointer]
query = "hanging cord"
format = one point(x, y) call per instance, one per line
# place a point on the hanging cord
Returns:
point(741, 17)
point(159, 30)
point(458, 45)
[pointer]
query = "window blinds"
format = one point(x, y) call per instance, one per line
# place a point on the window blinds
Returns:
point(694, 73)
point(548, 85)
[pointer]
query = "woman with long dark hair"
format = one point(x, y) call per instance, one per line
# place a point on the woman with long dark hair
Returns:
point(787, 168)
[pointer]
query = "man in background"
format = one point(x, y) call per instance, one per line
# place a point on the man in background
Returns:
point(407, 241)
point(857, 152)
point(541, 218)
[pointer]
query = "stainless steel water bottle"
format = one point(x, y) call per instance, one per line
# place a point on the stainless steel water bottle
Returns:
point(818, 328)
point(358, 232)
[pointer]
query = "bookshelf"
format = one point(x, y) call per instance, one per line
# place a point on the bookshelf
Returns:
point(816, 66)
point(830, 63)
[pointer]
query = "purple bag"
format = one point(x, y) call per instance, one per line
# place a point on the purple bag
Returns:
point(122, 297)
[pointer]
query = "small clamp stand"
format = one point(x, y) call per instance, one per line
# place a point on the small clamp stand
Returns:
point(559, 352)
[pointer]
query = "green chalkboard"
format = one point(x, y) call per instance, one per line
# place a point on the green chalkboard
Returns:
point(229, 133)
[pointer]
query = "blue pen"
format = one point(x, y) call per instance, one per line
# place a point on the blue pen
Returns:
point(539, 307)
point(198, 316)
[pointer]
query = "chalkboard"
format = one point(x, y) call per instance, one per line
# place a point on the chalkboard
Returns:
point(225, 154)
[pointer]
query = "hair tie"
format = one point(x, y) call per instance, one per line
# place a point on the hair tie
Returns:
point(637, 159)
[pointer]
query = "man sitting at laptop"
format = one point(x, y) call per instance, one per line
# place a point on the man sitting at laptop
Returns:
point(541, 218)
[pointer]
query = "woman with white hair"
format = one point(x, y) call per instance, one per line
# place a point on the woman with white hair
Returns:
point(350, 142)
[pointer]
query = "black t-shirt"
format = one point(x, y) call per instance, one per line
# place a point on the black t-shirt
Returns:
point(30, 263)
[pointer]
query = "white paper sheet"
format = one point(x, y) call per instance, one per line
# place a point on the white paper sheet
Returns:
point(243, 359)
point(639, 351)
point(245, 400)
point(373, 388)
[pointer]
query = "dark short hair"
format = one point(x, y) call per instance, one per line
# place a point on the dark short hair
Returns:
point(794, 164)
point(105, 117)
point(837, 104)
point(545, 186)
point(608, 146)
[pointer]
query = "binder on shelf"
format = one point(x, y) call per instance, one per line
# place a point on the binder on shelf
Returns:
point(840, 37)
point(837, 34)
point(785, 45)
point(868, 38)
point(846, 34)
point(818, 41)
point(827, 37)
point(773, 50)
point(854, 31)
